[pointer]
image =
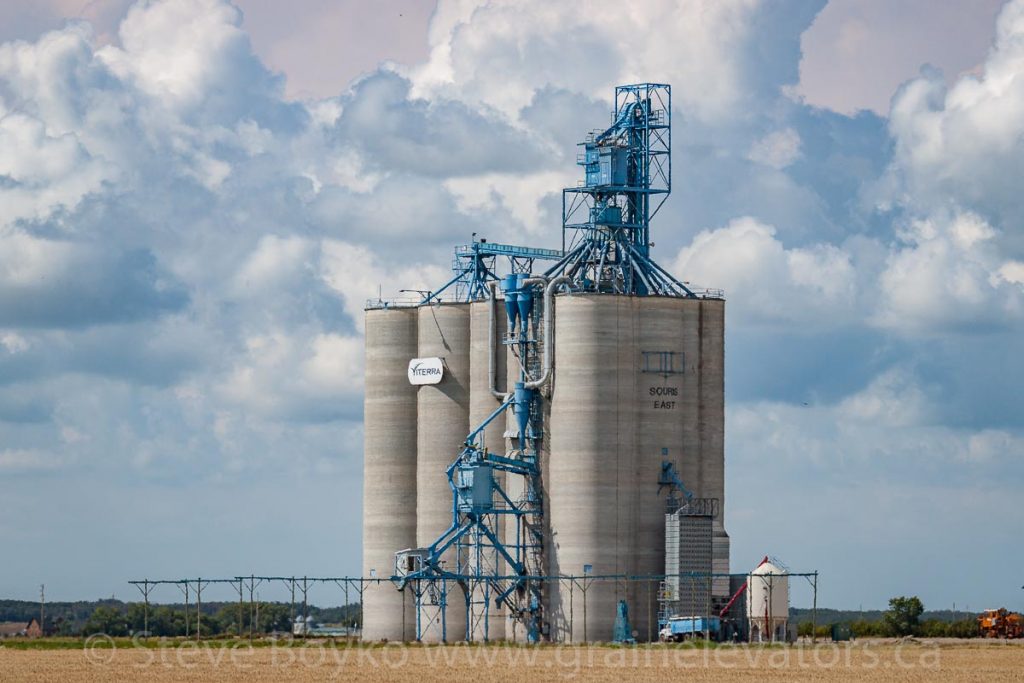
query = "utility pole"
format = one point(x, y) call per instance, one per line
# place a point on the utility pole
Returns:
point(42, 608)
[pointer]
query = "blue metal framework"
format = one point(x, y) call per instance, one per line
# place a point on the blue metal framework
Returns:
point(474, 266)
point(606, 221)
point(495, 535)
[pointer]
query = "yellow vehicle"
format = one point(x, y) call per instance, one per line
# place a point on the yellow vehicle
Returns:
point(1000, 623)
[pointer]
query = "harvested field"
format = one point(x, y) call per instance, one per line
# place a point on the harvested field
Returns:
point(860, 661)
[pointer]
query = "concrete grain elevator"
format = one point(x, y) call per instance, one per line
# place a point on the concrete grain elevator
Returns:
point(531, 422)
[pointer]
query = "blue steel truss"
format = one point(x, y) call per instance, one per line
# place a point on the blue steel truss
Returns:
point(606, 220)
point(495, 535)
point(475, 264)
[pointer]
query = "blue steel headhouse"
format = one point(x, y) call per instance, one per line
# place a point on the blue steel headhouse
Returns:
point(627, 176)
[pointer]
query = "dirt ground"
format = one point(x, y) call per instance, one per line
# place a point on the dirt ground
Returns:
point(864, 660)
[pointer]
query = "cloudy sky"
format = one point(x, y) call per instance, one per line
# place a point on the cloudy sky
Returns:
point(196, 198)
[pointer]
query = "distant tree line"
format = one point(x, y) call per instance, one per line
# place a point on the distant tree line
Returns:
point(117, 618)
point(906, 616)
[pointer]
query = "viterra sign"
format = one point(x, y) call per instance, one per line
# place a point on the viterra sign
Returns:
point(425, 370)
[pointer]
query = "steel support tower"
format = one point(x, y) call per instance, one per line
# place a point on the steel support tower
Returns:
point(606, 220)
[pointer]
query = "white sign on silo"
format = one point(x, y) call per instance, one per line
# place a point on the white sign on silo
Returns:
point(426, 370)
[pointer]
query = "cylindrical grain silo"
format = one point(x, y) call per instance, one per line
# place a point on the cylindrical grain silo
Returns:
point(591, 482)
point(638, 381)
point(768, 603)
point(711, 407)
point(442, 415)
point(389, 469)
point(485, 341)
point(661, 414)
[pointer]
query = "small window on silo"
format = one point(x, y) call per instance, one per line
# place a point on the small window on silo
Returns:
point(662, 362)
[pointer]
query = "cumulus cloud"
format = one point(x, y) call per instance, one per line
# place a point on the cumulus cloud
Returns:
point(767, 281)
point(500, 53)
point(357, 275)
point(283, 376)
point(892, 399)
point(194, 57)
point(857, 52)
point(964, 143)
point(778, 149)
point(446, 138)
point(957, 150)
point(890, 426)
point(948, 275)
point(57, 283)
point(994, 445)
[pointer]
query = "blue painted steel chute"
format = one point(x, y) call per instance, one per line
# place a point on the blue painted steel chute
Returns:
point(622, 632)
point(669, 478)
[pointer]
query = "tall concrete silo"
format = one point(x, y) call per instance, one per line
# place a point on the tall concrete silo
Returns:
point(483, 342)
point(638, 382)
point(591, 478)
point(442, 417)
point(389, 469)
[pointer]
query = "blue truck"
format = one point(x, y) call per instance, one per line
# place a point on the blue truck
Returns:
point(678, 629)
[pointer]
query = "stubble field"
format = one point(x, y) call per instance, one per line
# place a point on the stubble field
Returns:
point(175, 661)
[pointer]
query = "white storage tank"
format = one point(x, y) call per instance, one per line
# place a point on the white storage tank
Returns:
point(768, 602)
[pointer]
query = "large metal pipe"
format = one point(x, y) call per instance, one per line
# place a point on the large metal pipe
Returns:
point(549, 328)
point(492, 352)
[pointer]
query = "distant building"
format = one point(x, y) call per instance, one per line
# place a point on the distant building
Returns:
point(33, 629)
point(303, 626)
point(307, 627)
point(19, 629)
point(11, 629)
